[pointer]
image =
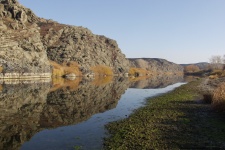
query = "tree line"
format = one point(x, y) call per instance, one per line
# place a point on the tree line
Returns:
point(215, 62)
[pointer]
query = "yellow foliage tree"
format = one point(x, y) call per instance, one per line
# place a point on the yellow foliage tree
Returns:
point(102, 70)
point(191, 68)
point(138, 72)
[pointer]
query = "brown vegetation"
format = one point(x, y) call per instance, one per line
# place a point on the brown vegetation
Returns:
point(1, 69)
point(132, 79)
point(98, 81)
point(45, 27)
point(138, 72)
point(191, 68)
point(61, 83)
point(66, 68)
point(102, 70)
point(218, 98)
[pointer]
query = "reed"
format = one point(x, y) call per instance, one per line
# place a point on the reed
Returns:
point(218, 98)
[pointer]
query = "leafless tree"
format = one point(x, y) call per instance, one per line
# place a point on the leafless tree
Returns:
point(216, 62)
point(223, 59)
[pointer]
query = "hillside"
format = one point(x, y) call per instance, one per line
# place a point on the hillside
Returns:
point(200, 65)
point(156, 66)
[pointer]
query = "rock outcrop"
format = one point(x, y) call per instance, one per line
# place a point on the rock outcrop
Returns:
point(27, 42)
point(156, 65)
point(21, 48)
point(77, 44)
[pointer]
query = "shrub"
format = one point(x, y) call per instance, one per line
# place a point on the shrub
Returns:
point(218, 99)
point(66, 68)
point(191, 68)
point(57, 70)
point(98, 81)
point(1, 69)
point(71, 67)
point(102, 70)
point(138, 72)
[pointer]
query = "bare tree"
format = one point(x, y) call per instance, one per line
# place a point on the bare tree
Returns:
point(223, 62)
point(223, 59)
point(216, 62)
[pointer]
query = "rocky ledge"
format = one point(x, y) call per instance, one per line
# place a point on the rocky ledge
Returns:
point(21, 49)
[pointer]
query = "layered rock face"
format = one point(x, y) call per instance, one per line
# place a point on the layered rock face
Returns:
point(78, 44)
point(155, 65)
point(27, 42)
point(21, 48)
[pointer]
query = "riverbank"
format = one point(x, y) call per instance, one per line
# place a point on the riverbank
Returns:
point(177, 120)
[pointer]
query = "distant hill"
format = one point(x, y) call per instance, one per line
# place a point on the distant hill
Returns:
point(156, 65)
point(201, 65)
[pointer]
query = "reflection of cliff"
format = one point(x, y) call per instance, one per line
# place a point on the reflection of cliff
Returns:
point(155, 82)
point(27, 109)
point(66, 107)
point(20, 107)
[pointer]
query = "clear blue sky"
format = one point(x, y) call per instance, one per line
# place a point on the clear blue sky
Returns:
point(181, 31)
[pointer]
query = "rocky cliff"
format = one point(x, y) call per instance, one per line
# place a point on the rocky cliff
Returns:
point(156, 65)
point(21, 48)
point(78, 44)
point(27, 42)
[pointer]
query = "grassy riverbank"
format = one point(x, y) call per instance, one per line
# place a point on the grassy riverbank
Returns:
point(176, 120)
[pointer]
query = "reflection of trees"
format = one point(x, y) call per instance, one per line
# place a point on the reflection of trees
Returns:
point(155, 81)
point(27, 109)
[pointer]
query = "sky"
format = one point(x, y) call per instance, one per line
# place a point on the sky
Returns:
point(181, 31)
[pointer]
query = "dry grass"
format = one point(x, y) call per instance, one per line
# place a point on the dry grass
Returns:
point(98, 81)
point(66, 68)
point(138, 72)
point(71, 67)
point(218, 73)
point(1, 88)
point(61, 83)
point(218, 99)
point(102, 70)
point(1, 69)
point(132, 79)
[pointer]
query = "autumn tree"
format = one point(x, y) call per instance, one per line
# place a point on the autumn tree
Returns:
point(191, 68)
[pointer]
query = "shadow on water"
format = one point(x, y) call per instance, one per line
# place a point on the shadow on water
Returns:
point(27, 109)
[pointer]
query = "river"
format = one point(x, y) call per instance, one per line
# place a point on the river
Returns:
point(69, 115)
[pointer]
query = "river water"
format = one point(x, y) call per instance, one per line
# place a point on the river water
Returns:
point(69, 115)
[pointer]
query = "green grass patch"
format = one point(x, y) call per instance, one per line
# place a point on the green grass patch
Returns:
point(176, 120)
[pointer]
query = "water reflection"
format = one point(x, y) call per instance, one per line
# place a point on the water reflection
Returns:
point(27, 109)
point(20, 108)
point(67, 106)
point(160, 81)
